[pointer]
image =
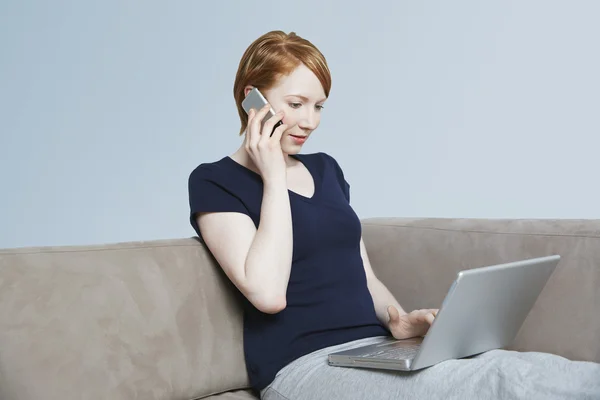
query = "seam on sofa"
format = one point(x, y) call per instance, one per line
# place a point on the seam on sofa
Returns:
point(220, 392)
point(8, 252)
point(122, 246)
point(482, 231)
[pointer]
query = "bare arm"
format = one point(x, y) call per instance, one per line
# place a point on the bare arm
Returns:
point(257, 261)
point(382, 298)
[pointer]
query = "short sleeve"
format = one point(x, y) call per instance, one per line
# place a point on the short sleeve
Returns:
point(206, 194)
point(340, 177)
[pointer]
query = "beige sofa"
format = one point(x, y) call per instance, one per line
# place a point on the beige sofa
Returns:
point(159, 320)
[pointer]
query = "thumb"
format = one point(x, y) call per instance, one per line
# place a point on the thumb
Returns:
point(393, 313)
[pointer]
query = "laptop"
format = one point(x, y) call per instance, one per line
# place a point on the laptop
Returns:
point(483, 310)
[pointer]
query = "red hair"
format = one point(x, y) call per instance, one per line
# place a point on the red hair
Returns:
point(271, 56)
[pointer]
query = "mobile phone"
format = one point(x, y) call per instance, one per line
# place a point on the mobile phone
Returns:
point(256, 100)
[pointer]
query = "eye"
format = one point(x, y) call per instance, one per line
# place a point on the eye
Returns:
point(295, 105)
point(320, 107)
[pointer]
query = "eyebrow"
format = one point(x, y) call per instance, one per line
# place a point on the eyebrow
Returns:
point(305, 98)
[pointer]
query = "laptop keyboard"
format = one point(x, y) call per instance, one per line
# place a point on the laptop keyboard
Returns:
point(396, 353)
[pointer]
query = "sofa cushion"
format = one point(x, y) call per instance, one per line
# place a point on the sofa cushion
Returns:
point(146, 320)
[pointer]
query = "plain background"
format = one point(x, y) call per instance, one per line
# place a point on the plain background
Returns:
point(438, 109)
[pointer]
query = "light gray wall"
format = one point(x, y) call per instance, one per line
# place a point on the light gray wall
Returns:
point(438, 109)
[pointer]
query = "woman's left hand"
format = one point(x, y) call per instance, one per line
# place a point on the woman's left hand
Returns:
point(415, 323)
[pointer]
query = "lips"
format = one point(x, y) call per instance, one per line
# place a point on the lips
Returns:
point(298, 139)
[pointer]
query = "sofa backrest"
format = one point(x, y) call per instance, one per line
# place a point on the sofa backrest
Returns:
point(160, 320)
point(419, 258)
point(120, 321)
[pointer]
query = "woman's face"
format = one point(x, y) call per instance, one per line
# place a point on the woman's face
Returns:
point(301, 97)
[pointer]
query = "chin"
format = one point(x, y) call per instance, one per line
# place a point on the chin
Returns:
point(291, 150)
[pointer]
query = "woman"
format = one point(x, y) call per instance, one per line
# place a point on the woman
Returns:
point(280, 225)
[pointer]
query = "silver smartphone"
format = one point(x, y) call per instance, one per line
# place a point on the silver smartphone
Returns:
point(256, 100)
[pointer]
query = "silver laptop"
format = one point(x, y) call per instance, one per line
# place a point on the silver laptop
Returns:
point(483, 310)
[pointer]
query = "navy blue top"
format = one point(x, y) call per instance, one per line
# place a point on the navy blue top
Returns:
point(328, 302)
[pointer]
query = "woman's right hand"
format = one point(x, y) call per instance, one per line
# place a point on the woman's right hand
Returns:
point(412, 324)
point(264, 149)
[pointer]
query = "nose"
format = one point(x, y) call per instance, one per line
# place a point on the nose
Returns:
point(309, 121)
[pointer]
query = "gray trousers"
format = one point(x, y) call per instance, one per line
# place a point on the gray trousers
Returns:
point(496, 374)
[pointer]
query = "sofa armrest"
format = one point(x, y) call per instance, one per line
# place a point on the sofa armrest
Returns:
point(418, 259)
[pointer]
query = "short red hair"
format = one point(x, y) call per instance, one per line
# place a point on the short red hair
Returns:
point(271, 56)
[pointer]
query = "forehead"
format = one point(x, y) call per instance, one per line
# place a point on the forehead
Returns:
point(301, 81)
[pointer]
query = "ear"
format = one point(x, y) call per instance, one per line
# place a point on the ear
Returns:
point(247, 90)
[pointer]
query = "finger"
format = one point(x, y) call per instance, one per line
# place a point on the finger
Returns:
point(393, 313)
point(260, 114)
point(428, 315)
point(429, 318)
point(253, 133)
point(255, 129)
point(268, 126)
point(251, 114)
point(421, 316)
point(279, 132)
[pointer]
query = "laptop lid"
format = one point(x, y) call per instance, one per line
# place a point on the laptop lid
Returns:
point(484, 309)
